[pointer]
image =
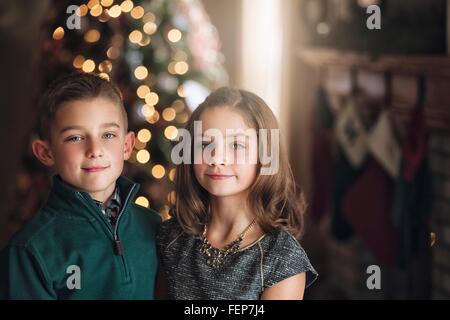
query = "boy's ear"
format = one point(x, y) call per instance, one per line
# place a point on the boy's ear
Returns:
point(41, 150)
point(130, 140)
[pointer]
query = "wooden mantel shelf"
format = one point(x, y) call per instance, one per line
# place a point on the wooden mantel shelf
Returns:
point(417, 64)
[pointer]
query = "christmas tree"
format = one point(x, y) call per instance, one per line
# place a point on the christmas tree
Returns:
point(164, 56)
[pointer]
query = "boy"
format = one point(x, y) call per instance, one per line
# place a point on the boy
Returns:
point(89, 240)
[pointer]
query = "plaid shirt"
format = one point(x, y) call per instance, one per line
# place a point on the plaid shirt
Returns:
point(112, 208)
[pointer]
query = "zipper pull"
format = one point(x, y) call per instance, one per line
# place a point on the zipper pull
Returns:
point(119, 250)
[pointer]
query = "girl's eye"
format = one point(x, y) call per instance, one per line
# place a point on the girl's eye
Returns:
point(205, 144)
point(109, 135)
point(238, 146)
point(74, 139)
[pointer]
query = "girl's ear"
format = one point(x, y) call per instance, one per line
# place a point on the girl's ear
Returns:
point(41, 150)
point(130, 140)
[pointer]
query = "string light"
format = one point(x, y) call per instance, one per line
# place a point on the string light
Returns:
point(149, 28)
point(137, 12)
point(78, 61)
point(172, 173)
point(105, 66)
point(174, 35)
point(141, 73)
point(181, 67)
point(142, 201)
point(171, 132)
point(169, 114)
point(113, 53)
point(151, 99)
point(142, 91)
point(138, 145)
point(158, 171)
point(82, 10)
point(92, 36)
point(181, 92)
point(58, 34)
point(104, 76)
point(126, 6)
point(115, 11)
point(135, 36)
point(153, 118)
point(96, 10)
point(92, 3)
point(143, 156)
point(88, 66)
point(182, 117)
point(144, 135)
point(106, 3)
point(145, 41)
point(147, 110)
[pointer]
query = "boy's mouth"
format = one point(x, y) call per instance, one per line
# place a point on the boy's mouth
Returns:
point(95, 169)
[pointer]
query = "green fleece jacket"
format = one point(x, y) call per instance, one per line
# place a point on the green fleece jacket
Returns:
point(69, 250)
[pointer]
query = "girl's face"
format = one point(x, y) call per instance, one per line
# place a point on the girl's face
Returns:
point(229, 153)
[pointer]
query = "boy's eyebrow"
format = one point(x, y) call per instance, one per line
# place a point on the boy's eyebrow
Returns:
point(104, 125)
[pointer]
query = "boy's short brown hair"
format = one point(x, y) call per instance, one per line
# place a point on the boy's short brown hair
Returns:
point(75, 86)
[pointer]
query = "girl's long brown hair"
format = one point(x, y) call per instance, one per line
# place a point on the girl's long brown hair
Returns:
point(274, 198)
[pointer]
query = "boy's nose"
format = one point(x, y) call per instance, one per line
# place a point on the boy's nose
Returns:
point(94, 149)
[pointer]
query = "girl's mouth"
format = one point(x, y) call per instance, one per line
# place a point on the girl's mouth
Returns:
point(219, 176)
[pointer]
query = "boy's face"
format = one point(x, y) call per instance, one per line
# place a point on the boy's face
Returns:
point(89, 145)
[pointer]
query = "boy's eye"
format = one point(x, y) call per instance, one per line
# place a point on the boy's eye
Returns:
point(73, 138)
point(109, 135)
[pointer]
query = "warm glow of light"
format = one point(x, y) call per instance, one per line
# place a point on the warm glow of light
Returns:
point(172, 197)
point(145, 41)
point(180, 92)
point(137, 12)
point(142, 201)
point(147, 110)
point(149, 17)
point(82, 10)
point(174, 35)
point(104, 76)
point(141, 73)
point(158, 171)
point(151, 98)
point(93, 3)
point(113, 53)
point(172, 173)
point(171, 68)
point(135, 36)
point(106, 3)
point(149, 28)
point(127, 5)
point(143, 156)
point(182, 117)
point(88, 65)
point(153, 118)
point(169, 114)
point(142, 91)
point(105, 66)
point(78, 61)
point(96, 10)
point(171, 132)
point(181, 67)
point(178, 105)
point(144, 135)
point(92, 36)
point(58, 34)
point(115, 11)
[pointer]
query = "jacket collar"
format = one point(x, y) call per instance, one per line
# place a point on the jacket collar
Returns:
point(63, 196)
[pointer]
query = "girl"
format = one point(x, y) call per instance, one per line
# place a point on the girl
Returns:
point(234, 231)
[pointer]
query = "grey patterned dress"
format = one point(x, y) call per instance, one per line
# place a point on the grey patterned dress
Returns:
point(246, 274)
